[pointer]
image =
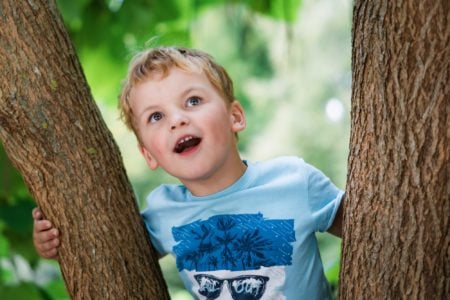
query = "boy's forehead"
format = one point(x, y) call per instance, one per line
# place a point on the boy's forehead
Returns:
point(179, 76)
point(175, 80)
point(159, 75)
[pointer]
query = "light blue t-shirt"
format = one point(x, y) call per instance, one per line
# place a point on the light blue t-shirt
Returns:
point(252, 240)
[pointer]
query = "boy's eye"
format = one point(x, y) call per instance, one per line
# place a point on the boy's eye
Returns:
point(155, 117)
point(193, 101)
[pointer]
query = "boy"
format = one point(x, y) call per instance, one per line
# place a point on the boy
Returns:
point(238, 230)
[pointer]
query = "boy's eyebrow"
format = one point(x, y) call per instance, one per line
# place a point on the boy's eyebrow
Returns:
point(190, 89)
point(181, 95)
point(151, 107)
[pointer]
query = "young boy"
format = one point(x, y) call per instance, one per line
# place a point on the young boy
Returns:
point(238, 230)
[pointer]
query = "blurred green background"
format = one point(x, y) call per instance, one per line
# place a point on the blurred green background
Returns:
point(289, 59)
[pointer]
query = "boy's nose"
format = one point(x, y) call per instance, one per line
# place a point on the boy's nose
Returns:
point(178, 120)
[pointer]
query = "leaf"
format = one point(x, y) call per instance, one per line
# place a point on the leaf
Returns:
point(18, 227)
point(11, 182)
point(283, 10)
point(332, 272)
point(56, 290)
point(4, 246)
point(22, 291)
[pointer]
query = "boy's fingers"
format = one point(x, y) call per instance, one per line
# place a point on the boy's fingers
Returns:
point(45, 236)
point(42, 225)
point(48, 246)
point(37, 214)
point(53, 253)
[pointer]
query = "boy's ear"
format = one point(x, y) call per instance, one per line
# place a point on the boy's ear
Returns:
point(151, 161)
point(237, 114)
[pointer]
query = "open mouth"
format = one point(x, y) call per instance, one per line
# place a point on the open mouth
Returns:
point(187, 143)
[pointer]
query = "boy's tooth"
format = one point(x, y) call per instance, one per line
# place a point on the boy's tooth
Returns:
point(185, 139)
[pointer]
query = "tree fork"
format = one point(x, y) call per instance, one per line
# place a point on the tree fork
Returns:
point(396, 221)
point(53, 133)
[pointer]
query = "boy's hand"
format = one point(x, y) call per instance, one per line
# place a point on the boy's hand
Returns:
point(45, 236)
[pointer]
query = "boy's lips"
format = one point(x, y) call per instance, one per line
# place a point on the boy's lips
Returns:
point(186, 143)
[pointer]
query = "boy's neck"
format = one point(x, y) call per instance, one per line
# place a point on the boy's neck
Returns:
point(219, 182)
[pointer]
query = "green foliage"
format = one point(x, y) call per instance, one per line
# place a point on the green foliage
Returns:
point(55, 289)
point(17, 224)
point(22, 291)
point(4, 243)
point(11, 183)
point(107, 33)
point(283, 10)
point(31, 291)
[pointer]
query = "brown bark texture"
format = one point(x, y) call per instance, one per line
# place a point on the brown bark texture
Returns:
point(396, 219)
point(54, 134)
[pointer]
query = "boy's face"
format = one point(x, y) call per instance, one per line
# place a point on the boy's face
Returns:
point(185, 126)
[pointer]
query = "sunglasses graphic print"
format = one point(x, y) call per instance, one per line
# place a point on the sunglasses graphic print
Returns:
point(244, 287)
point(240, 256)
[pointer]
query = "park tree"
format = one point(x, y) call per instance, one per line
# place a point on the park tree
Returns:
point(396, 233)
point(53, 133)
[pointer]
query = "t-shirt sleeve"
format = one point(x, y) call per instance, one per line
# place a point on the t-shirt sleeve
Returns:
point(152, 219)
point(152, 231)
point(324, 199)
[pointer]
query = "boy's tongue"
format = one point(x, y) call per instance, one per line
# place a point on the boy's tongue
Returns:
point(189, 143)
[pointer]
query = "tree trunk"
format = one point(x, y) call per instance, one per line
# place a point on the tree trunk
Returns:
point(396, 221)
point(55, 136)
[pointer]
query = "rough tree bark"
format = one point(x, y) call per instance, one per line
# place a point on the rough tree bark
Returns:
point(396, 222)
point(55, 136)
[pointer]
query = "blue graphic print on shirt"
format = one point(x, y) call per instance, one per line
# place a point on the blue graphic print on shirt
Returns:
point(234, 242)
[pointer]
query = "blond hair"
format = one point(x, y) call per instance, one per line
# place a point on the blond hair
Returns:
point(159, 61)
